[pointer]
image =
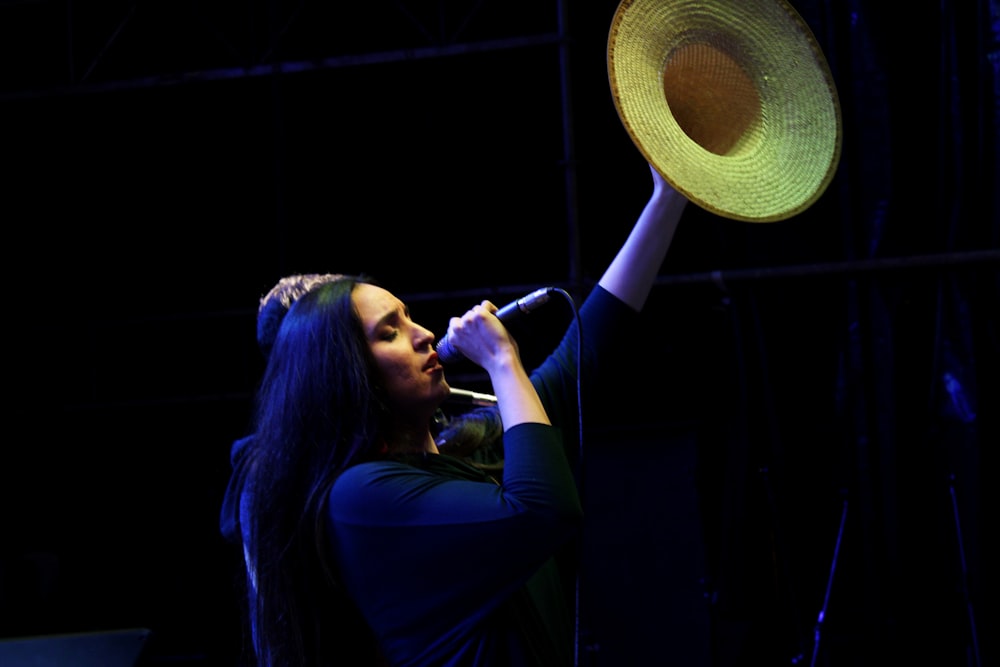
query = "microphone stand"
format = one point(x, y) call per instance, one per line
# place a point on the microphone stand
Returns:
point(467, 397)
point(964, 571)
point(829, 584)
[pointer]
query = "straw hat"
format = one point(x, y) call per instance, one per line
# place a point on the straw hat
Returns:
point(732, 101)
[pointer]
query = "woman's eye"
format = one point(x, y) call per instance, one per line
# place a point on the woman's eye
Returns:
point(389, 335)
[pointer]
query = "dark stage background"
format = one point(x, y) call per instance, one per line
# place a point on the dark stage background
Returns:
point(807, 420)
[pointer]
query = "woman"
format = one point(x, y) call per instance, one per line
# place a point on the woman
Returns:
point(363, 541)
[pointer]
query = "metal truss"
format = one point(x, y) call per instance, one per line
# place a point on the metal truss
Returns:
point(58, 47)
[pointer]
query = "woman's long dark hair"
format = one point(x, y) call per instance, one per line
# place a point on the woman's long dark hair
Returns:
point(317, 413)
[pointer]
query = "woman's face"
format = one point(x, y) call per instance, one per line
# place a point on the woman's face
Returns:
point(404, 352)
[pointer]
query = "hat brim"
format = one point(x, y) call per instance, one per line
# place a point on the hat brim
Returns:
point(732, 101)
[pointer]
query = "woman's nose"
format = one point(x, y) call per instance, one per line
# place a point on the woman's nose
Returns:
point(423, 336)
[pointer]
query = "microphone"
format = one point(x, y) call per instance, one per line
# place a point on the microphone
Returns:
point(512, 312)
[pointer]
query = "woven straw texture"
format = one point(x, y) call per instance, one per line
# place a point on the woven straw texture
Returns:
point(732, 101)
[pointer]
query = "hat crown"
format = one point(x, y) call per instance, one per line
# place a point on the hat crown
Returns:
point(711, 96)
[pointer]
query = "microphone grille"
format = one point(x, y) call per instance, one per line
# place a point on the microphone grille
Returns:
point(446, 352)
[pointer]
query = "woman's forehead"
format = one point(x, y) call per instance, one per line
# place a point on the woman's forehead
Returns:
point(374, 303)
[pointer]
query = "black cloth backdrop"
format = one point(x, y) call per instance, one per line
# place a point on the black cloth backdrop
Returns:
point(797, 466)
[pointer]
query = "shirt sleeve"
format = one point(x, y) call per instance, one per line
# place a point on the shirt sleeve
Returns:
point(402, 529)
point(586, 359)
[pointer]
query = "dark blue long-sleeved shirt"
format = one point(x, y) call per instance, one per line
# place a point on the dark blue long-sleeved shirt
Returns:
point(451, 568)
